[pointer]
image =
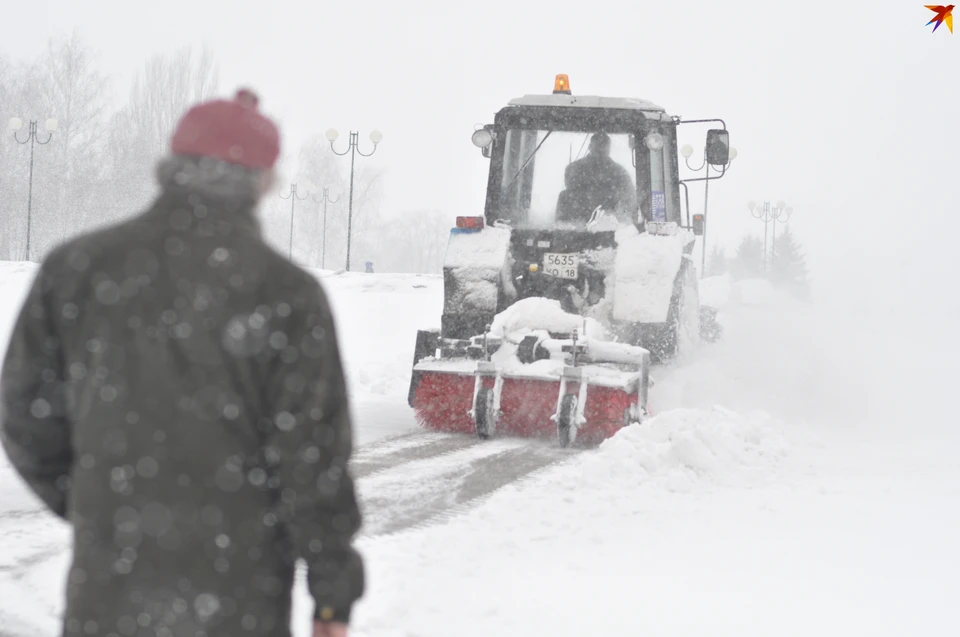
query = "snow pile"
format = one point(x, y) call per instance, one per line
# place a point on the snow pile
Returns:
point(646, 266)
point(756, 292)
point(715, 290)
point(538, 313)
point(485, 249)
point(15, 281)
point(685, 447)
point(475, 261)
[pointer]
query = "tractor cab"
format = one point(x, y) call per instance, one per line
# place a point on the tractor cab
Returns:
point(563, 161)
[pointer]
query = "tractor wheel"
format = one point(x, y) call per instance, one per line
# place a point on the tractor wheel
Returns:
point(565, 419)
point(484, 413)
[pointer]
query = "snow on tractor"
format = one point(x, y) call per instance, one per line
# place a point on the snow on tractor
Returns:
point(576, 280)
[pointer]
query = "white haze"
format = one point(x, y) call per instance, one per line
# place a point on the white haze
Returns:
point(845, 110)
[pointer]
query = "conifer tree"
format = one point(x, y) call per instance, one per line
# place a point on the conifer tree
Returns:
point(789, 265)
point(748, 262)
point(717, 262)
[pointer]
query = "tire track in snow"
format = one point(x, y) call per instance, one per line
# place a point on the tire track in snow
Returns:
point(396, 495)
point(364, 467)
point(478, 498)
point(431, 491)
point(397, 442)
point(19, 569)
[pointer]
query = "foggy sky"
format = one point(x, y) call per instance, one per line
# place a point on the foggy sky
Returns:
point(845, 110)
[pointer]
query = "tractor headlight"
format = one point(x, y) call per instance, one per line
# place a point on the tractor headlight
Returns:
point(654, 141)
point(482, 138)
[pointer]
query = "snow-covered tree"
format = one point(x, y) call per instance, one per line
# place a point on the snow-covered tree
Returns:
point(748, 262)
point(789, 266)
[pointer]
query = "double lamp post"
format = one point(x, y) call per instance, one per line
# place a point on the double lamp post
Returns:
point(333, 197)
point(768, 214)
point(326, 198)
point(376, 137)
point(33, 138)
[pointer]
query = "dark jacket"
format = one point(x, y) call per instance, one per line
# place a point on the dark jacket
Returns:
point(595, 180)
point(173, 389)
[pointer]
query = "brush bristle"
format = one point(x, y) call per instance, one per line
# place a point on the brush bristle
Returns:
point(442, 403)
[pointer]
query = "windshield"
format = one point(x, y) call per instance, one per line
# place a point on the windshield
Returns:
point(553, 178)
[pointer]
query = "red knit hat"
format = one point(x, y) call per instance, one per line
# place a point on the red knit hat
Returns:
point(231, 130)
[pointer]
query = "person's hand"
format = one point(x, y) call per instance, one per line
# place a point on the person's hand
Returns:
point(329, 629)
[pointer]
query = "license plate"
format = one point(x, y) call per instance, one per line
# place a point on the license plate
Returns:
point(563, 266)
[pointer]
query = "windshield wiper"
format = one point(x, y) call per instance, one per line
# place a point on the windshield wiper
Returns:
point(530, 157)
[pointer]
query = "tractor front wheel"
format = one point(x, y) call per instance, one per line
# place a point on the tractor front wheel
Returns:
point(485, 413)
point(565, 419)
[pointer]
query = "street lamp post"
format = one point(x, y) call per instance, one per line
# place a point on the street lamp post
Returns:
point(769, 213)
point(375, 137)
point(325, 199)
point(292, 196)
point(33, 138)
point(782, 210)
point(687, 152)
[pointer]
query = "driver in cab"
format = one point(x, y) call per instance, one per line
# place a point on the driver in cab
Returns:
point(596, 180)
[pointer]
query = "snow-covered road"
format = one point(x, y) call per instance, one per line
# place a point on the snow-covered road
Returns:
point(782, 489)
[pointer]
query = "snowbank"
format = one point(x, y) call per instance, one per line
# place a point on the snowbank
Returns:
point(742, 518)
point(15, 281)
point(715, 290)
point(685, 447)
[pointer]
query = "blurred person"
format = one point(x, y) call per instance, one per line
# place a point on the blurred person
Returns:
point(173, 389)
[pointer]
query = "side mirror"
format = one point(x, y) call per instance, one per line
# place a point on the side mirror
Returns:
point(718, 147)
point(698, 225)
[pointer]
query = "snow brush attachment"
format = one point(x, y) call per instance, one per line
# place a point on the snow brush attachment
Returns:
point(481, 387)
point(443, 401)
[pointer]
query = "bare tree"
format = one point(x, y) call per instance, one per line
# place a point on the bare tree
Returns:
point(162, 91)
point(166, 88)
point(73, 91)
point(9, 186)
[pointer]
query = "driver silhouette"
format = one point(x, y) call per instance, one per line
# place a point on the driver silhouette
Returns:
point(595, 180)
